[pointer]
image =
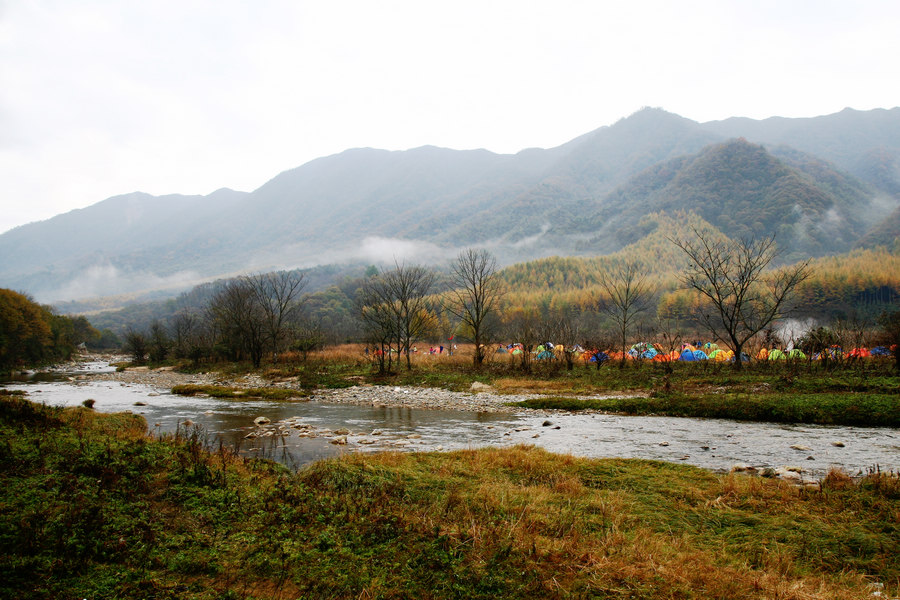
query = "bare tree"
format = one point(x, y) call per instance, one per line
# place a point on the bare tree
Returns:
point(475, 296)
point(240, 320)
point(393, 306)
point(159, 342)
point(191, 335)
point(626, 294)
point(278, 297)
point(373, 306)
point(136, 345)
point(409, 287)
point(742, 296)
point(378, 323)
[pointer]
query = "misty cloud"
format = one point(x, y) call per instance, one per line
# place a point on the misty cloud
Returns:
point(107, 280)
point(385, 250)
point(791, 330)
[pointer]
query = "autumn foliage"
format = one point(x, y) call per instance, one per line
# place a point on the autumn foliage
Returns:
point(31, 334)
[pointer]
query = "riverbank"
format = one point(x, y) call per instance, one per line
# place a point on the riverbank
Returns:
point(94, 508)
point(865, 396)
point(479, 398)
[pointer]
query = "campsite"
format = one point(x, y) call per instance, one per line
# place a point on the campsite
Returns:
point(177, 517)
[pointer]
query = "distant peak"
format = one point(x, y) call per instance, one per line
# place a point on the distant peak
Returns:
point(651, 115)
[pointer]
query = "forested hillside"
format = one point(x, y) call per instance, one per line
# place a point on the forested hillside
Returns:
point(857, 285)
point(886, 233)
point(819, 184)
point(746, 192)
point(865, 144)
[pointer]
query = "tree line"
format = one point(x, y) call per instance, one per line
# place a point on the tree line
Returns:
point(733, 292)
point(245, 318)
point(32, 334)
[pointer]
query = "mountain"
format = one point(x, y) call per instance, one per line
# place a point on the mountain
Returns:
point(746, 192)
point(885, 233)
point(820, 183)
point(866, 144)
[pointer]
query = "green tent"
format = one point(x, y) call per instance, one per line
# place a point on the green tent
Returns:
point(776, 354)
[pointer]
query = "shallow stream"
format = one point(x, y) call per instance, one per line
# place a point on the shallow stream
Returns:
point(710, 443)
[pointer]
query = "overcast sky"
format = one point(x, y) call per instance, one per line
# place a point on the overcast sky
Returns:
point(99, 98)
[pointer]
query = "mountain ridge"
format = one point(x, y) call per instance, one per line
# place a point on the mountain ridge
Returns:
point(425, 203)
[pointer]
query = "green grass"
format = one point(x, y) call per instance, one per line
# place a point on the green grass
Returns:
point(236, 393)
point(861, 409)
point(90, 507)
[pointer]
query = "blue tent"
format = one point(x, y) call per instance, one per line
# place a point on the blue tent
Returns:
point(600, 357)
point(688, 355)
point(880, 351)
point(545, 355)
point(700, 355)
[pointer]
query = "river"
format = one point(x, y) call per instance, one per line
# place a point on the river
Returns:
point(309, 429)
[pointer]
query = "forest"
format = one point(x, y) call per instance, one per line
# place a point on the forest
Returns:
point(32, 334)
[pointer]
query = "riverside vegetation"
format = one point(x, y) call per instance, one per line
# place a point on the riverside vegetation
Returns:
point(92, 507)
point(855, 392)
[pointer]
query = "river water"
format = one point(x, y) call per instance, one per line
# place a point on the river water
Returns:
point(715, 444)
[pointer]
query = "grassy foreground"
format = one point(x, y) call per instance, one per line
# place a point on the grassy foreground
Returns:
point(92, 508)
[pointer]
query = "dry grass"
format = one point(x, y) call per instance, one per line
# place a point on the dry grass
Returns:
point(517, 522)
point(585, 540)
point(524, 385)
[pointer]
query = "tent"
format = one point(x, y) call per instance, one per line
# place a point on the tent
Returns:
point(693, 355)
point(880, 351)
point(796, 354)
point(777, 354)
point(545, 355)
point(763, 354)
point(600, 357)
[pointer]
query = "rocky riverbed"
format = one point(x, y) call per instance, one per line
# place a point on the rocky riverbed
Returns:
point(366, 417)
point(481, 398)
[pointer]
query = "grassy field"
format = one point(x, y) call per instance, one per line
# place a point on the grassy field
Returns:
point(91, 508)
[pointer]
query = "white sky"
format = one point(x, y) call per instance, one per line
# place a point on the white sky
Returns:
point(104, 97)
